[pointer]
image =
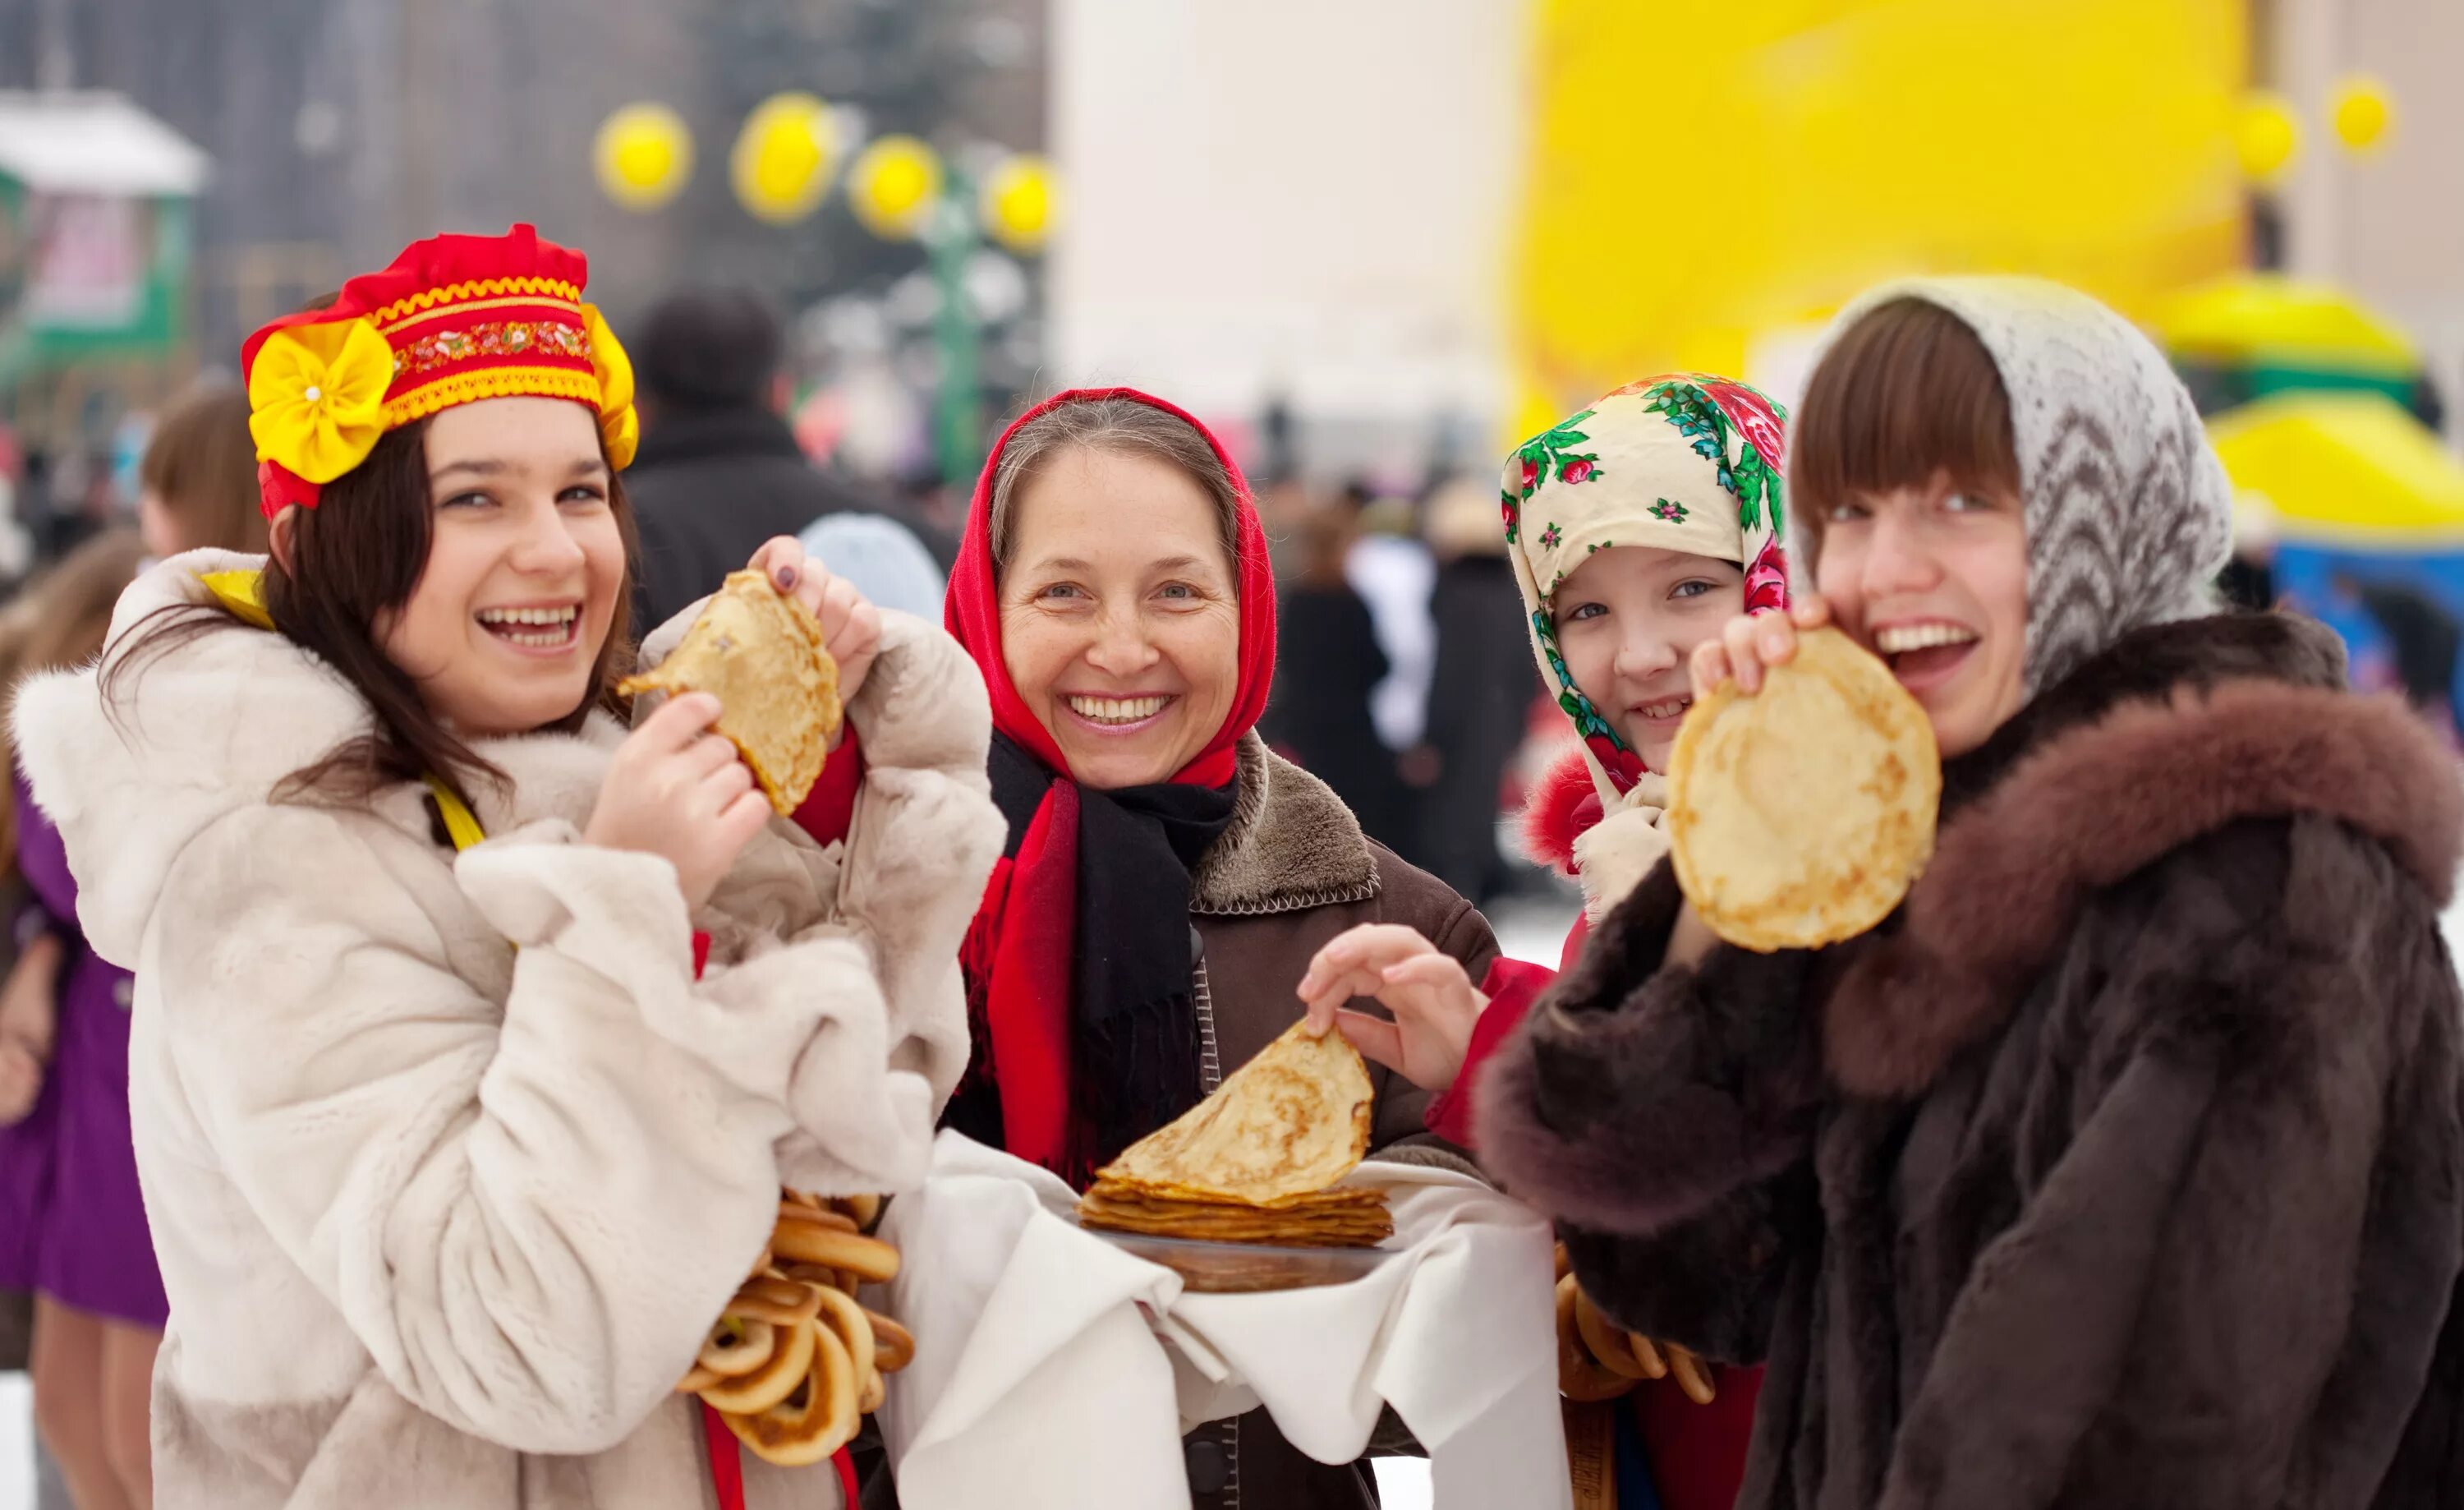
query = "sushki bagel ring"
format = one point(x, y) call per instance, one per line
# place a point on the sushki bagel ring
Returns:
point(775, 1299)
point(737, 1346)
point(774, 1381)
point(816, 1417)
point(868, 1259)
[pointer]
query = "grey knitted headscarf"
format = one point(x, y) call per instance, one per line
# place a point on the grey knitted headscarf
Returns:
point(2128, 514)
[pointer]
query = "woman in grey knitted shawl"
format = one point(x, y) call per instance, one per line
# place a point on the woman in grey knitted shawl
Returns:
point(2123, 1164)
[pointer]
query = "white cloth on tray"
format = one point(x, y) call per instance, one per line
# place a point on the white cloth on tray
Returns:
point(1053, 1370)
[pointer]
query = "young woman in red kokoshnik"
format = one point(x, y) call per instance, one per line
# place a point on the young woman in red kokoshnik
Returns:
point(474, 1033)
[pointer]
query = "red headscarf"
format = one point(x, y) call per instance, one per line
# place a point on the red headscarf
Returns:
point(1019, 953)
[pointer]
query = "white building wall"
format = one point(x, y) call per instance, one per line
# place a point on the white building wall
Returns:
point(1298, 196)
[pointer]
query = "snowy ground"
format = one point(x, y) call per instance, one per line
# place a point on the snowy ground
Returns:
point(17, 1443)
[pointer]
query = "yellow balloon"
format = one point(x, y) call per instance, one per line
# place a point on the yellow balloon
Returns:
point(893, 186)
point(2267, 137)
point(2363, 112)
point(643, 155)
point(1019, 202)
point(780, 165)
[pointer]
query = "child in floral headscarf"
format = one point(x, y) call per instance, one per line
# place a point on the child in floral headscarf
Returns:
point(1638, 528)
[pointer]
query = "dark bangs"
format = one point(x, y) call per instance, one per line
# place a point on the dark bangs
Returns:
point(1906, 391)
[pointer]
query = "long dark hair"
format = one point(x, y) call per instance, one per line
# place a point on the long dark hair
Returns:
point(360, 552)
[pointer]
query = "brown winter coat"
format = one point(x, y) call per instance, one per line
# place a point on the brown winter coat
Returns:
point(2123, 1166)
point(1291, 872)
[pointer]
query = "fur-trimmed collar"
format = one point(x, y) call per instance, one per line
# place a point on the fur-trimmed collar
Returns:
point(208, 730)
point(2177, 731)
point(1292, 845)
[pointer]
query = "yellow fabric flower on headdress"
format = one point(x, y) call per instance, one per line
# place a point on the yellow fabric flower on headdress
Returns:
point(316, 397)
point(619, 427)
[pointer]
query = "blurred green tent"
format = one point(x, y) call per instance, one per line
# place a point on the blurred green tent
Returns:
point(95, 197)
point(2251, 335)
point(2352, 469)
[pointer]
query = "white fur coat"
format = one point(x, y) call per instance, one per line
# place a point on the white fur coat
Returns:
point(442, 1223)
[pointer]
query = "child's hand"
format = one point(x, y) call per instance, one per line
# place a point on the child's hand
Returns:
point(1434, 1002)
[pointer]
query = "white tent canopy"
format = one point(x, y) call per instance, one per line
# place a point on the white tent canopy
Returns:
point(94, 143)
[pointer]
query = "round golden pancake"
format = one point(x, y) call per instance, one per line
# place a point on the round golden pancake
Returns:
point(1800, 816)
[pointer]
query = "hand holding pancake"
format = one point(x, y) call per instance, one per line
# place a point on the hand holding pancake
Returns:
point(851, 626)
point(794, 1362)
point(1804, 789)
point(761, 654)
point(1434, 1001)
point(1752, 642)
point(675, 791)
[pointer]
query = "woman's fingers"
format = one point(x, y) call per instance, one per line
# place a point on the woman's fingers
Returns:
point(1810, 610)
point(741, 819)
point(709, 754)
point(679, 723)
point(1743, 639)
point(1710, 667)
point(1746, 646)
point(727, 782)
point(781, 559)
point(1375, 1038)
point(858, 634)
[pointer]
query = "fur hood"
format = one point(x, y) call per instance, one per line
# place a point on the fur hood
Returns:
point(2176, 733)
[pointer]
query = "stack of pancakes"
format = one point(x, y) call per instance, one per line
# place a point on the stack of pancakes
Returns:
point(1253, 1163)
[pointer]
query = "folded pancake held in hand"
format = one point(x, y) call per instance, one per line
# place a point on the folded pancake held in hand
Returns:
point(760, 652)
point(1252, 1163)
point(1801, 815)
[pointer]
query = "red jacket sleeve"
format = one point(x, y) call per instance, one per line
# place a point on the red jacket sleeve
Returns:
point(829, 808)
point(1511, 986)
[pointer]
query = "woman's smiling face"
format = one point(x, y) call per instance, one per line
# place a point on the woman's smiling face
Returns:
point(1121, 620)
point(1933, 578)
point(525, 561)
point(1628, 618)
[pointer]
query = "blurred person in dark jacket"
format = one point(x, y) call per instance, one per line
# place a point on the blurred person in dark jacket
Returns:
point(1319, 714)
point(1479, 695)
point(2423, 639)
point(718, 471)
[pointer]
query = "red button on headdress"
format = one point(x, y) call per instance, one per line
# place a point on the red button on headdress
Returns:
point(453, 320)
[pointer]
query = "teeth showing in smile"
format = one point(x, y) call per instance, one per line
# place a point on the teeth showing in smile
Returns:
point(1902, 637)
point(1116, 710)
point(1668, 709)
point(542, 628)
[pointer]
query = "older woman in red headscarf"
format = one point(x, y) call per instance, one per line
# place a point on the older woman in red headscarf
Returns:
point(1167, 879)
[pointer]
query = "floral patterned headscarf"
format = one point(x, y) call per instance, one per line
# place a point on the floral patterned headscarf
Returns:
point(1685, 463)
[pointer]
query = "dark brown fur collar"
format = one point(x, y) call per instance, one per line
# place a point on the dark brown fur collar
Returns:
point(2178, 731)
point(1292, 844)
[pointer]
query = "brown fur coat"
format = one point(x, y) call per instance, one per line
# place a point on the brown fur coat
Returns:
point(2123, 1166)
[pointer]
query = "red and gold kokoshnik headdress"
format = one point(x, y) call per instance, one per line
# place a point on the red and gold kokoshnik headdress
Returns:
point(453, 320)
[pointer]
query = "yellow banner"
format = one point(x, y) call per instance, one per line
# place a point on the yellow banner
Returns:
point(1702, 177)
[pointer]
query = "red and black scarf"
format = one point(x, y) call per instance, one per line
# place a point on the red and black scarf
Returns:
point(1079, 962)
